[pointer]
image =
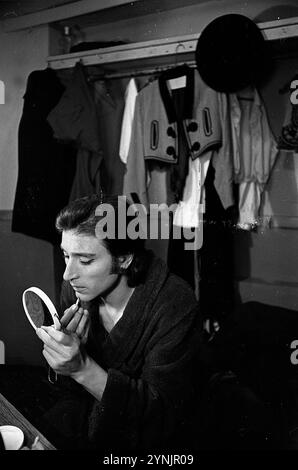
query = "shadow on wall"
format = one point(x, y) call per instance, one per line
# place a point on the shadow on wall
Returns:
point(275, 13)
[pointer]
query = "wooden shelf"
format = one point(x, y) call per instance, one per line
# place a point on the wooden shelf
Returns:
point(280, 29)
point(168, 49)
point(149, 50)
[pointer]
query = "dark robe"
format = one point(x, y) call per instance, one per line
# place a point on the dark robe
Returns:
point(150, 357)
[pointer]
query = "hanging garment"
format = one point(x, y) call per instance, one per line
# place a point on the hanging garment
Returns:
point(128, 115)
point(222, 157)
point(180, 260)
point(109, 98)
point(188, 212)
point(183, 252)
point(75, 119)
point(131, 92)
point(154, 135)
point(216, 283)
point(87, 180)
point(288, 139)
point(254, 155)
point(45, 167)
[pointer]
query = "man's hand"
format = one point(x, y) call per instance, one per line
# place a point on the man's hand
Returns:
point(76, 320)
point(62, 350)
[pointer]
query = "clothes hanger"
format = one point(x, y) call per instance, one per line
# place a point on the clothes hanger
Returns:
point(87, 71)
point(95, 77)
point(247, 94)
point(244, 98)
point(176, 72)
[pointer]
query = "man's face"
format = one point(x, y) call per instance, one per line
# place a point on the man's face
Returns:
point(88, 265)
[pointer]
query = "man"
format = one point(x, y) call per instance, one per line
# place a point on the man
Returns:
point(129, 351)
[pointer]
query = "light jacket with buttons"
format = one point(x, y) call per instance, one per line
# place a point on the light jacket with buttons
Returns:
point(154, 132)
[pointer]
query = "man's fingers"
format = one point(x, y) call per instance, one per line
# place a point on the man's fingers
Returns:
point(57, 335)
point(49, 342)
point(52, 360)
point(73, 324)
point(78, 323)
point(75, 320)
point(52, 338)
point(82, 326)
point(49, 357)
point(68, 315)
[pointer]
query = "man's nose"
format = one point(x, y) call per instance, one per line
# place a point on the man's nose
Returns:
point(70, 271)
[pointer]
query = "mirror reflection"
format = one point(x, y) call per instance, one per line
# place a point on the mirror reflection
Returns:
point(37, 309)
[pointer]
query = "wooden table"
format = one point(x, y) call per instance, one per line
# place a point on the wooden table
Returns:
point(9, 415)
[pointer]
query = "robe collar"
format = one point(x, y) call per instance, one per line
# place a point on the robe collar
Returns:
point(125, 335)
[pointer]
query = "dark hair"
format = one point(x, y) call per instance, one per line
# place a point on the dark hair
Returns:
point(82, 216)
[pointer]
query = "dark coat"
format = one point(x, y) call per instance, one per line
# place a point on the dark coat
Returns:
point(45, 167)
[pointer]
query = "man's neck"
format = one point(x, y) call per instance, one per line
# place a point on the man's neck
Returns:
point(113, 304)
point(117, 298)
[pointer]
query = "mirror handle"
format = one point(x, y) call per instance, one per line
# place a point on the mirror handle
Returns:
point(52, 375)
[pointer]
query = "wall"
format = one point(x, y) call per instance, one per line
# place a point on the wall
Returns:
point(188, 19)
point(24, 261)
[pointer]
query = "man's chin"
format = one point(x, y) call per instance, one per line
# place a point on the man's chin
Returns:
point(85, 297)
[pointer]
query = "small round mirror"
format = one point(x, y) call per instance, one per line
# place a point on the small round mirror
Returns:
point(39, 308)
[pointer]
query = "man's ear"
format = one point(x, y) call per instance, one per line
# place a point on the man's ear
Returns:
point(125, 261)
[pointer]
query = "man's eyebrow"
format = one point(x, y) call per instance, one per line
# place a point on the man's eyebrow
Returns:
point(88, 255)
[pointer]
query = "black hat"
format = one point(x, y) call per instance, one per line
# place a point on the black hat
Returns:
point(231, 53)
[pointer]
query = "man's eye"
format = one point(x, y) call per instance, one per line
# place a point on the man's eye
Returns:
point(89, 261)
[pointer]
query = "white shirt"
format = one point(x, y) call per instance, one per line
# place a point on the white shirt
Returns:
point(130, 100)
point(254, 152)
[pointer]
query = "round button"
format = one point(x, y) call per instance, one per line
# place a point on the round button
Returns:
point(171, 132)
point(195, 147)
point(192, 127)
point(171, 151)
